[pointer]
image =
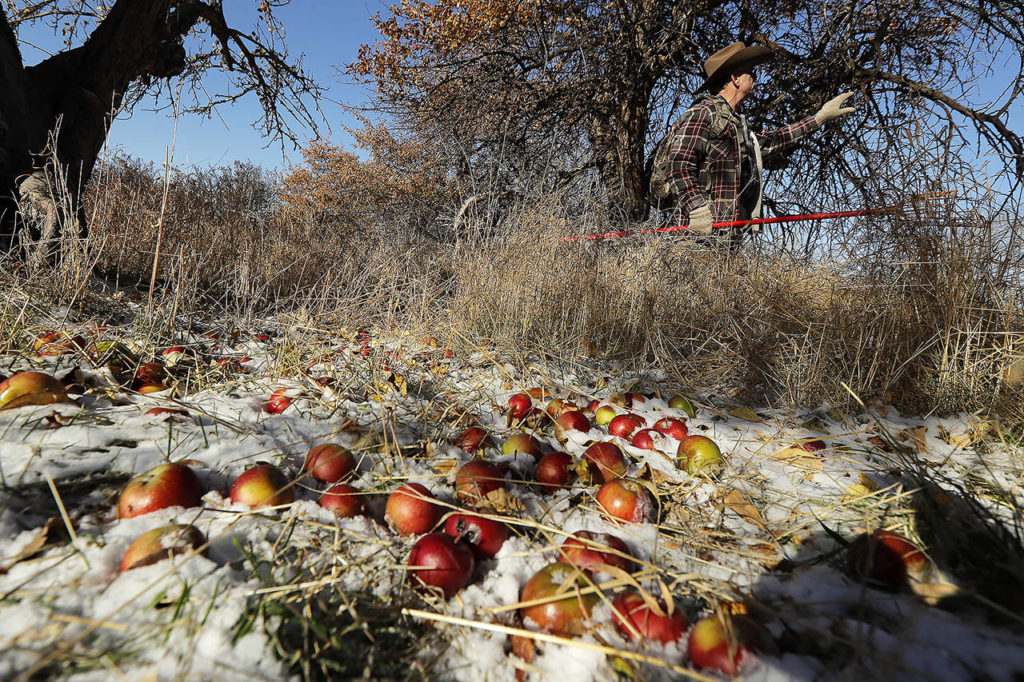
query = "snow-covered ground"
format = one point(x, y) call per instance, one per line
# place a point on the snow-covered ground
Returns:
point(768, 531)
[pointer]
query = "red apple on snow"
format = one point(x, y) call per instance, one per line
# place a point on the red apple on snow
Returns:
point(886, 558)
point(554, 470)
point(564, 609)
point(699, 455)
point(475, 479)
point(329, 463)
point(484, 536)
point(723, 642)
point(411, 509)
point(625, 501)
point(31, 388)
point(588, 550)
point(571, 420)
point(633, 616)
point(343, 500)
point(520, 405)
point(606, 461)
point(604, 414)
point(522, 442)
point(161, 543)
point(167, 485)
point(439, 562)
point(161, 411)
point(671, 427)
point(472, 439)
point(279, 401)
point(643, 439)
point(262, 484)
point(624, 425)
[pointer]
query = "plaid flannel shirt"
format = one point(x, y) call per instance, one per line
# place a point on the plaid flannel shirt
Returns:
point(704, 157)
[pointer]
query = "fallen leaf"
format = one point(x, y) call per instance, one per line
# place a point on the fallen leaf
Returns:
point(935, 592)
point(799, 457)
point(745, 413)
point(741, 504)
point(38, 541)
point(444, 466)
point(501, 500)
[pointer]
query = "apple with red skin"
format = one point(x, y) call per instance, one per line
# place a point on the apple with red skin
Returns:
point(475, 479)
point(557, 406)
point(722, 642)
point(329, 463)
point(643, 439)
point(160, 411)
point(167, 485)
point(473, 438)
point(681, 402)
point(31, 388)
point(262, 484)
point(344, 500)
point(699, 455)
point(813, 446)
point(554, 471)
point(150, 373)
point(411, 509)
point(162, 543)
point(278, 402)
point(588, 550)
point(522, 442)
point(569, 610)
point(671, 427)
point(886, 558)
point(437, 561)
point(520, 405)
point(484, 536)
point(573, 420)
point(632, 615)
point(147, 389)
point(604, 415)
point(624, 425)
point(606, 461)
point(625, 501)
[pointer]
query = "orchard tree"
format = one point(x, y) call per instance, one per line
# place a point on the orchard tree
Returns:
point(55, 115)
point(570, 87)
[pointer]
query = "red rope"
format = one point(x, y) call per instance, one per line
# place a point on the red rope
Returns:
point(732, 223)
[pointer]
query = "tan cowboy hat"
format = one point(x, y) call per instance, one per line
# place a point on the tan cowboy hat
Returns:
point(730, 56)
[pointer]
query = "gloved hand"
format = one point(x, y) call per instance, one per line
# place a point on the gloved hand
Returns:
point(832, 109)
point(701, 221)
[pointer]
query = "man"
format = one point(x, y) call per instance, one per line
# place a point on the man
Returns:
point(714, 160)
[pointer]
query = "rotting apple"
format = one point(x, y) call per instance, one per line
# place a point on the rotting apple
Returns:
point(627, 501)
point(168, 485)
point(724, 641)
point(439, 561)
point(520, 405)
point(563, 608)
point(476, 479)
point(473, 438)
point(633, 616)
point(31, 388)
point(587, 550)
point(162, 543)
point(262, 484)
point(554, 471)
point(344, 500)
point(816, 445)
point(604, 414)
point(606, 461)
point(624, 425)
point(411, 509)
point(681, 402)
point(671, 427)
point(484, 536)
point(886, 558)
point(557, 406)
point(524, 443)
point(329, 463)
point(699, 455)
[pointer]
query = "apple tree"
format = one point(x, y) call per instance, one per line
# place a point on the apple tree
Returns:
point(55, 115)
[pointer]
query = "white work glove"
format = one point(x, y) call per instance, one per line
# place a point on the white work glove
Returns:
point(701, 221)
point(834, 109)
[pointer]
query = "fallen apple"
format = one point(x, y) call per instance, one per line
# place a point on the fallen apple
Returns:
point(634, 616)
point(329, 463)
point(520, 405)
point(587, 550)
point(606, 461)
point(262, 484)
point(886, 558)
point(571, 420)
point(167, 485)
point(473, 438)
point(723, 642)
point(162, 543)
point(31, 388)
point(522, 442)
point(554, 471)
point(150, 373)
point(681, 402)
point(624, 425)
point(643, 439)
point(627, 501)
point(557, 406)
point(476, 479)
point(604, 414)
point(813, 445)
point(161, 411)
point(671, 427)
point(344, 500)
point(411, 509)
point(438, 561)
point(484, 536)
point(279, 401)
point(562, 608)
point(699, 455)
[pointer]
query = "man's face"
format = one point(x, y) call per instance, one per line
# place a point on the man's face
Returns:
point(744, 80)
